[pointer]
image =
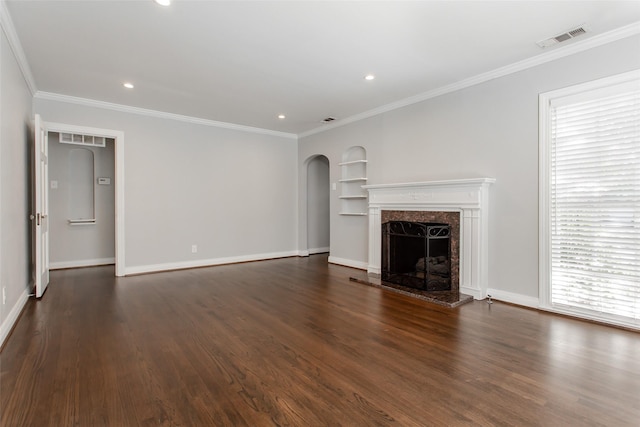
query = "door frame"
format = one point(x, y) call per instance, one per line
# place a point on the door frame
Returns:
point(118, 137)
point(304, 207)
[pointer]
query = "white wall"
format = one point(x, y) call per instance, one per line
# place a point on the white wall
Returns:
point(231, 193)
point(15, 119)
point(80, 245)
point(318, 204)
point(490, 129)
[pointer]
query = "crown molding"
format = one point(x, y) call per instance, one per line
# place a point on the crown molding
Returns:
point(16, 47)
point(158, 114)
point(552, 55)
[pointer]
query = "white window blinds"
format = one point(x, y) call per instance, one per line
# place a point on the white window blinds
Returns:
point(595, 203)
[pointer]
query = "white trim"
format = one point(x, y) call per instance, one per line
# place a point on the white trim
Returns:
point(12, 317)
point(119, 182)
point(152, 268)
point(303, 253)
point(157, 114)
point(584, 315)
point(513, 298)
point(360, 265)
point(16, 47)
point(313, 251)
point(81, 263)
point(543, 58)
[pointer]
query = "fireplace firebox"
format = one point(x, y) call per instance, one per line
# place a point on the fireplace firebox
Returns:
point(417, 255)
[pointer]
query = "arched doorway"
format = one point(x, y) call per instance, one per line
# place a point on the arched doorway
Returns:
point(318, 211)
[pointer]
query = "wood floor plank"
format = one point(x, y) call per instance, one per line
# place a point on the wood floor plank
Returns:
point(294, 342)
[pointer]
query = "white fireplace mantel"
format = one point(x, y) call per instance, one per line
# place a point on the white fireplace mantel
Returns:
point(470, 197)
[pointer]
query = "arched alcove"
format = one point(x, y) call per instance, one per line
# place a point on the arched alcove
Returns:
point(353, 198)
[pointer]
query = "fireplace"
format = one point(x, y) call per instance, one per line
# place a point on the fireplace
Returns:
point(462, 204)
point(417, 255)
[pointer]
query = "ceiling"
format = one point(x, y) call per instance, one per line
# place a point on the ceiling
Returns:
point(246, 62)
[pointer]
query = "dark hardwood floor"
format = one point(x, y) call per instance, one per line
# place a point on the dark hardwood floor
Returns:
point(293, 342)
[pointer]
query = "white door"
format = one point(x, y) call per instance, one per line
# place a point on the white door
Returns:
point(41, 207)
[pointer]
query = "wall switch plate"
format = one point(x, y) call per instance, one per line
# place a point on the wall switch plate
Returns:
point(104, 181)
point(334, 186)
point(194, 249)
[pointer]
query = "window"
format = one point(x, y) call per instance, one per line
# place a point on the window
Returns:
point(590, 200)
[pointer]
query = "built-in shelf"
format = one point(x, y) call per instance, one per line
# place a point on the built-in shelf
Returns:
point(352, 162)
point(353, 199)
point(352, 179)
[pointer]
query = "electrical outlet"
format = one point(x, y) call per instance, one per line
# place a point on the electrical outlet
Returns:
point(194, 249)
point(4, 295)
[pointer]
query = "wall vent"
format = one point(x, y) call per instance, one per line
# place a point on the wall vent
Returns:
point(77, 139)
point(563, 37)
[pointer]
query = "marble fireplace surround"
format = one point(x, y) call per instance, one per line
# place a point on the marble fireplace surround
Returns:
point(468, 197)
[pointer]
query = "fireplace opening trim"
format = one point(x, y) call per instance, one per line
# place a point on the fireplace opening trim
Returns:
point(470, 197)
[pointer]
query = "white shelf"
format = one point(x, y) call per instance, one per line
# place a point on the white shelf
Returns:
point(353, 199)
point(353, 162)
point(352, 179)
point(91, 221)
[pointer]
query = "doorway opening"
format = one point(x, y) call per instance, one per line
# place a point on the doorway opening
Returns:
point(101, 192)
point(81, 200)
point(318, 205)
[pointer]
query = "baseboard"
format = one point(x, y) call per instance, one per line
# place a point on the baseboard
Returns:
point(81, 263)
point(514, 298)
point(141, 269)
point(360, 265)
point(12, 318)
point(313, 251)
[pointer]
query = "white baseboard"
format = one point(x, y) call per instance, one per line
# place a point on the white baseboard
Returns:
point(313, 251)
point(81, 263)
point(11, 319)
point(514, 298)
point(303, 253)
point(206, 262)
point(349, 263)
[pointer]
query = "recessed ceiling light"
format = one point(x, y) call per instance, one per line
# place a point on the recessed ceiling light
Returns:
point(369, 77)
point(163, 2)
point(128, 85)
point(282, 116)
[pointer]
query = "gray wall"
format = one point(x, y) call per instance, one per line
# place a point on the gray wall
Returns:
point(231, 193)
point(15, 247)
point(490, 129)
point(318, 204)
point(80, 245)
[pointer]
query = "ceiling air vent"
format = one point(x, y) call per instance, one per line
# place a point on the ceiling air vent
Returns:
point(328, 119)
point(563, 37)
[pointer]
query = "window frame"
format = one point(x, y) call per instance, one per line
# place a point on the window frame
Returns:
point(545, 101)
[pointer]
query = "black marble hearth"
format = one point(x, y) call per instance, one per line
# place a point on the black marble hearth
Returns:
point(445, 298)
